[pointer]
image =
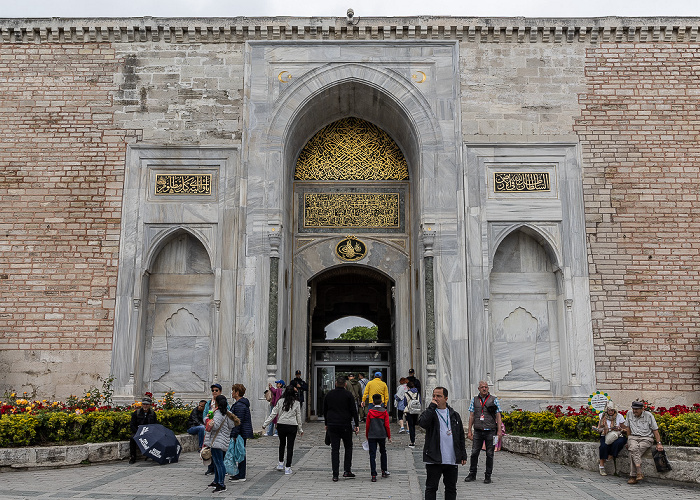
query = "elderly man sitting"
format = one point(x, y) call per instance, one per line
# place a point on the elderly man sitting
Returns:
point(641, 429)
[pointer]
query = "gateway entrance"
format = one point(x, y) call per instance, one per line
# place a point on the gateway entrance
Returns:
point(337, 296)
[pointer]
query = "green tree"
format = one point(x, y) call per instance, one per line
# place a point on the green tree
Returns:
point(360, 333)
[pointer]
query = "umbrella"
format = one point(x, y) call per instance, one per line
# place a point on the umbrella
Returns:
point(158, 443)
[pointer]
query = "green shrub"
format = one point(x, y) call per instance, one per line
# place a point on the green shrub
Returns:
point(94, 427)
point(680, 430)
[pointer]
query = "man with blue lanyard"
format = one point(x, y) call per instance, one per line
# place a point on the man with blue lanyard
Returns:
point(444, 446)
point(485, 418)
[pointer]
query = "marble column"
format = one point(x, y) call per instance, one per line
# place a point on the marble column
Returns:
point(429, 293)
point(275, 239)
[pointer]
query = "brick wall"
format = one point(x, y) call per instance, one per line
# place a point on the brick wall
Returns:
point(60, 196)
point(639, 132)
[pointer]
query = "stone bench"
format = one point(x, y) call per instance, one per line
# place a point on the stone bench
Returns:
point(56, 456)
point(584, 455)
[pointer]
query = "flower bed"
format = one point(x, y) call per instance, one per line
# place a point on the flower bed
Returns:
point(678, 426)
point(92, 418)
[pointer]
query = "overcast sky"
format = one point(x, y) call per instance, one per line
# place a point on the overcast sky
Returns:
point(305, 8)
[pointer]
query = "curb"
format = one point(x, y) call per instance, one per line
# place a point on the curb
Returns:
point(79, 454)
point(685, 460)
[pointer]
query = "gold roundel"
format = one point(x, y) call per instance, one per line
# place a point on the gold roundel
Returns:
point(351, 249)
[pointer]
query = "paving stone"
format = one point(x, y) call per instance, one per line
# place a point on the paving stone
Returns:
point(514, 476)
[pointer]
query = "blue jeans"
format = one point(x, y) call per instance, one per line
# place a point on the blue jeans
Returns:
point(373, 442)
point(199, 430)
point(217, 458)
point(614, 449)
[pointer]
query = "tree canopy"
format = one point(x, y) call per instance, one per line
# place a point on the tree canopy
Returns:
point(360, 333)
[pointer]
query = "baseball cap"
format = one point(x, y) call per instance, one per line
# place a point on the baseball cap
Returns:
point(217, 386)
point(280, 381)
point(377, 374)
point(411, 371)
point(298, 372)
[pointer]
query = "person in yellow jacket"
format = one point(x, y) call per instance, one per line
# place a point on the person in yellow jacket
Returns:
point(376, 386)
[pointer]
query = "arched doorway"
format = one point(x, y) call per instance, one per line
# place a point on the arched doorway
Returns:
point(345, 295)
point(352, 253)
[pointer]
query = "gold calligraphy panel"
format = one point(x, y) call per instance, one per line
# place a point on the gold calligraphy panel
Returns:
point(520, 182)
point(180, 184)
point(351, 149)
point(371, 210)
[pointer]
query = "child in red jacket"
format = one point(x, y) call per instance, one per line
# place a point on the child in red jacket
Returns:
point(377, 430)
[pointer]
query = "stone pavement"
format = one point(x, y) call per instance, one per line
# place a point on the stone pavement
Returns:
point(514, 477)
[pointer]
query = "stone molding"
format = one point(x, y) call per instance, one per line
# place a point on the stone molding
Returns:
point(59, 456)
point(685, 460)
point(239, 29)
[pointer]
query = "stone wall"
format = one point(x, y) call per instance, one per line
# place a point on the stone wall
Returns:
point(73, 93)
point(639, 130)
point(60, 209)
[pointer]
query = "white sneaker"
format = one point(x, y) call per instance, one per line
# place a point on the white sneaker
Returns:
point(401, 430)
point(280, 466)
point(287, 470)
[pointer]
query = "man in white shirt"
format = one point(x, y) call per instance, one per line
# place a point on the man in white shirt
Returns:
point(444, 446)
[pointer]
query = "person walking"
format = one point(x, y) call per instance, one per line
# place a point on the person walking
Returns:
point(377, 431)
point(363, 383)
point(376, 386)
point(141, 416)
point(218, 438)
point(287, 411)
point(400, 403)
point(444, 446)
point(209, 410)
point(339, 411)
point(485, 419)
point(412, 378)
point(412, 408)
point(355, 388)
point(244, 431)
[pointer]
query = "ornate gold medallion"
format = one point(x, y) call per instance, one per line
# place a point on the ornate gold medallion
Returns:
point(351, 249)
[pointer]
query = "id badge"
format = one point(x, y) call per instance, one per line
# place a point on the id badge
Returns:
point(449, 432)
point(481, 418)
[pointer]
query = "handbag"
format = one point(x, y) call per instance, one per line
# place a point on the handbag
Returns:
point(611, 437)
point(205, 453)
point(661, 461)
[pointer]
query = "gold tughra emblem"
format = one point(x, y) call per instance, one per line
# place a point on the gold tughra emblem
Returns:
point(351, 249)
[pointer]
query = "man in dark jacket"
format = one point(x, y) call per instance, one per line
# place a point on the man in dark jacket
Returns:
point(301, 386)
point(143, 416)
point(195, 424)
point(444, 445)
point(338, 411)
point(244, 430)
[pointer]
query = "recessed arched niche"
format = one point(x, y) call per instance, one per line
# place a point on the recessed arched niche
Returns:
point(526, 316)
point(177, 341)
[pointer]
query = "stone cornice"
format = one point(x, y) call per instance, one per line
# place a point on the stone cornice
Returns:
point(239, 29)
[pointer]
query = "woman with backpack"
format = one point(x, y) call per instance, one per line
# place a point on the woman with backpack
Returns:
point(412, 408)
point(287, 411)
point(398, 398)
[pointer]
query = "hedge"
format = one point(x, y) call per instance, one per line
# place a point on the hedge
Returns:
point(680, 430)
point(25, 429)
